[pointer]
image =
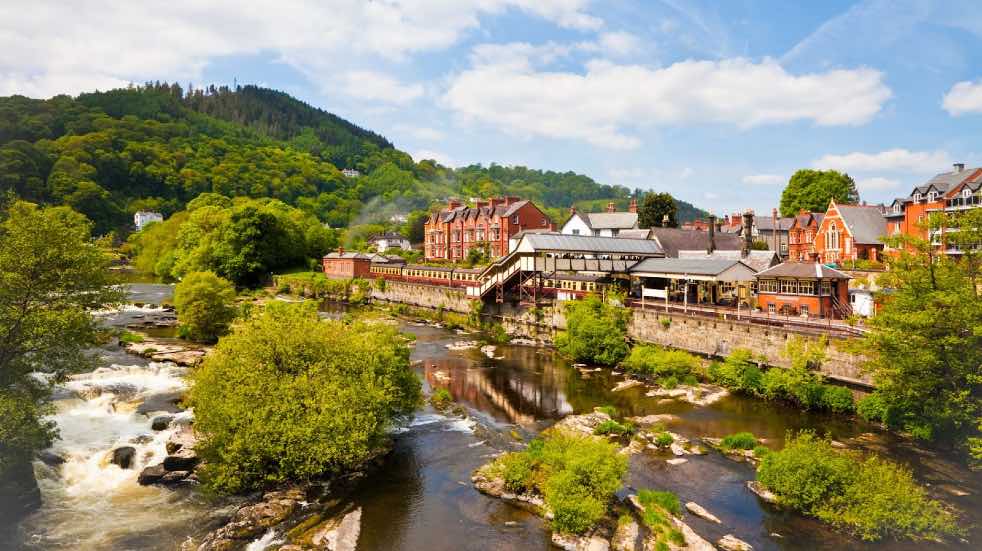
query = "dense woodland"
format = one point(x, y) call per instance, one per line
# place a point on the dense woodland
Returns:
point(158, 146)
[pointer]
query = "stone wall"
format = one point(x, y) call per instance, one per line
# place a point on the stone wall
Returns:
point(716, 338)
point(421, 294)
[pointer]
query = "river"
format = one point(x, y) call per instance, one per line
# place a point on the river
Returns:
point(422, 497)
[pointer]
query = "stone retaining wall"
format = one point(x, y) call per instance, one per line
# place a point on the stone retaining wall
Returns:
point(427, 296)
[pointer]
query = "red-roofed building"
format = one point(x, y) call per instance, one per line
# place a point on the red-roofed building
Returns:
point(453, 231)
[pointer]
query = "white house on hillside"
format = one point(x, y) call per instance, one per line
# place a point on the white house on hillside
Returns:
point(386, 241)
point(142, 218)
point(602, 224)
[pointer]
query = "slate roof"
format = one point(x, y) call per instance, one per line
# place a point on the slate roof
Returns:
point(691, 266)
point(944, 182)
point(766, 223)
point(388, 235)
point(634, 234)
point(350, 255)
point(590, 244)
point(803, 218)
point(866, 224)
point(612, 220)
point(757, 260)
point(449, 215)
point(803, 270)
point(673, 240)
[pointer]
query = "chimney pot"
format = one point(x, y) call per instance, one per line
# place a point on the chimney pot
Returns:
point(610, 207)
point(633, 207)
point(959, 167)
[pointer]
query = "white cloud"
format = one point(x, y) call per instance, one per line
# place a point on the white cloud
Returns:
point(897, 160)
point(598, 105)
point(373, 86)
point(876, 183)
point(50, 46)
point(964, 97)
point(686, 173)
point(763, 179)
point(615, 44)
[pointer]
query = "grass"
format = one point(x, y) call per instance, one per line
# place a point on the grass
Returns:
point(609, 410)
point(739, 441)
point(658, 506)
point(129, 337)
point(613, 427)
point(441, 398)
point(663, 440)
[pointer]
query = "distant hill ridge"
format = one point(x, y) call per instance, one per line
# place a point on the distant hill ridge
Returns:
point(157, 146)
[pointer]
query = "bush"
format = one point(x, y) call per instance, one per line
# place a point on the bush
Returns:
point(613, 427)
point(870, 497)
point(609, 410)
point(738, 372)
point(837, 399)
point(205, 305)
point(596, 332)
point(441, 398)
point(660, 362)
point(872, 408)
point(287, 396)
point(739, 441)
point(663, 440)
point(129, 337)
point(761, 451)
point(576, 475)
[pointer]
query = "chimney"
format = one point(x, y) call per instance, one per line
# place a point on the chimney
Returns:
point(633, 207)
point(453, 203)
point(712, 234)
point(776, 234)
point(748, 224)
point(340, 250)
point(959, 167)
point(664, 221)
point(572, 210)
point(610, 207)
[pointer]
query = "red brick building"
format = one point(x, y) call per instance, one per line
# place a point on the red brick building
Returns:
point(453, 231)
point(807, 289)
point(850, 232)
point(802, 234)
point(342, 265)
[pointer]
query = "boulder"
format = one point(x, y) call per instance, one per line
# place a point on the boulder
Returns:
point(123, 456)
point(166, 402)
point(184, 459)
point(161, 422)
point(182, 439)
point(583, 424)
point(676, 461)
point(625, 384)
point(731, 543)
point(701, 512)
point(151, 474)
point(50, 458)
point(762, 492)
point(571, 542)
point(652, 420)
point(175, 477)
point(626, 536)
point(341, 535)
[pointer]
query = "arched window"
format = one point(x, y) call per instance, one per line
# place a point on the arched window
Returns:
point(833, 237)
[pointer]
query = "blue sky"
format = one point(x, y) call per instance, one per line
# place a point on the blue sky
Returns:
point(715, 102)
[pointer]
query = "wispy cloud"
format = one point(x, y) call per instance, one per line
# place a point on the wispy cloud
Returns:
point(763, 179)
point(892, 160)
point(963, 98)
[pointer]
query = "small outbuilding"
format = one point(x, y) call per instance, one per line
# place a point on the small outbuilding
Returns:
point(693, 281)
point(347, 265)
point(806, 289)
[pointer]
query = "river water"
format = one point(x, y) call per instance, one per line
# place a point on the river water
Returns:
point(422, 498)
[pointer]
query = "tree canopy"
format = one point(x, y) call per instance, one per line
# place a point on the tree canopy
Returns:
point(205, 305)
point(812, 190)
point(654, 208)
point(287, 396)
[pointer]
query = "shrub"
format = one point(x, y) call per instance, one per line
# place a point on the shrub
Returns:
point(608, 409)
point(287, 396)
point(870, 497)
point(774, 384)
point(576, 475)
point(205, 305)
point(661, 362)
point(665, 322)
point(441, 398)
point(663, 440)
point(731, 372)
point(739, 441)
point(596, 332)
point(613, 427)
point(129, 337)
point(669, 382)
point(837, 399)
point(760, 451)
point(872, 408)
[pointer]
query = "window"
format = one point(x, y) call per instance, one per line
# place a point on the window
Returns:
point(966, 193)
point(932, 196)
point(771, 308)
point(789, 286)
point(514, 219)
point(917, 197)
point(804, 310)
point(767, 286)
point(576, 231)
point(784, 248)
point(544, 223)
point(833, 237)
point(806, 287)
point(826, 288)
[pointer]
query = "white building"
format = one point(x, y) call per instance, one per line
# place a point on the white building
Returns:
point(142, 218)
point(350, 173)
point(861, 301)
point(388, 241)
point(602, 224)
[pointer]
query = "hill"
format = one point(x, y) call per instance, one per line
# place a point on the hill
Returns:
point(158, 146)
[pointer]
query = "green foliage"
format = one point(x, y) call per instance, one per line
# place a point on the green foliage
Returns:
point(613, 427)
point(739, 441)
point(870, 497)
point(661, 362)
point(872, 407)
point(52, 275)
point(577, 476)
point(837, 399)
point(666, 500)
point(925, 344)
point(596, 332)
point(286, 396)
point(205, 305)
point(654, 208)
point(663, 440)
point(441, 398)
point(813, 189)
point(760, 451)
point(739, 372)
point(129, 337)
point(609, 410)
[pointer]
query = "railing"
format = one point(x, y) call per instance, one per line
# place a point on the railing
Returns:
point(725, 313)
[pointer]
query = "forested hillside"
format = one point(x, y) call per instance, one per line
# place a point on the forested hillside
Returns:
point(157, 147)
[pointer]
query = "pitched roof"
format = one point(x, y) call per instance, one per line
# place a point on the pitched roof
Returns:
point(686, 266)
point(766, 223)
point(673, 240)
point(387, 235)
point(944, 181)
point(805, 270)
point(612, 220)
point(866, 224)
point(634, 234)
point(757, 260)
point(589, 244)
point(348, 255)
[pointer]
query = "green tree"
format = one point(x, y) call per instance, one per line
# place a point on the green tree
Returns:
point(286, 396)
point(414, 229)
point(813, 189)
point(205, 305)
point(654, 208)
point(925, 345)
point(52, 275)
point(596, 332)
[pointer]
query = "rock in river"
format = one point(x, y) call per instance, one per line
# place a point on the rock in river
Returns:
point(731, 543)
point(700, 511)
point(183, 459)
point(151, 475)
point(161, 422)
point(123, 457)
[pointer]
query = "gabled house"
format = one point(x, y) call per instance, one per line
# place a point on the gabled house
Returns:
point(773, 231)
point(801, 236)
point(850, 232)
point(455, 230)
point(601, 224)
point(390, 240)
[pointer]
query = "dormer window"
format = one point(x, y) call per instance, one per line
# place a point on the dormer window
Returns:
point(966, 193)
point(932, 196)
point(917, 197)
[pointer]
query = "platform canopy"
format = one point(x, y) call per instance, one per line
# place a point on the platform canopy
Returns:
point(696, 269)
point(588, 245)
